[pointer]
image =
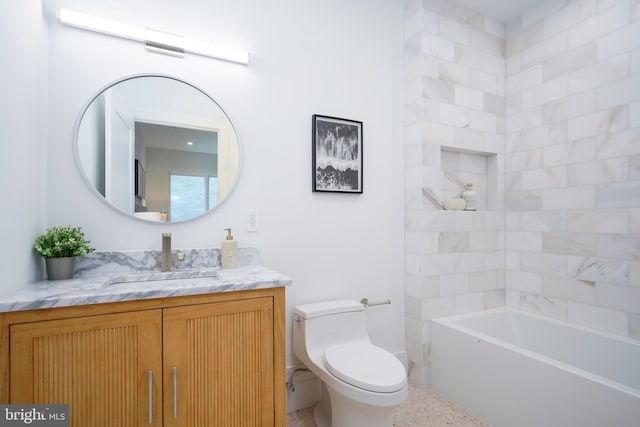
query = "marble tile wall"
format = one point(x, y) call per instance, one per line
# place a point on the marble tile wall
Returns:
point(543, 113)
point(572, 148)
point(455, 124)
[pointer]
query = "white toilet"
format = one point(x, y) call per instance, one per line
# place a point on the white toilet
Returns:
point(364, 382)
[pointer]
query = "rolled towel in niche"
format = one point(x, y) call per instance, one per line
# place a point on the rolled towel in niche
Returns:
point(454, 204)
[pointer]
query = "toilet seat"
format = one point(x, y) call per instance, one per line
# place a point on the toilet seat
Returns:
point(366, 366)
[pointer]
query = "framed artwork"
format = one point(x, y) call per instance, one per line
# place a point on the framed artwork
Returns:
point(140, 180)
point(337, 154)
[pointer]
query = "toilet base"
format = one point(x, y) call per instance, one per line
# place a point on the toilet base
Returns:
point(322, 418)
point(346, 412)
point(322, 410)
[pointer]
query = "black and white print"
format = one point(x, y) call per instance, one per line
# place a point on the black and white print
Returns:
point(337, 155)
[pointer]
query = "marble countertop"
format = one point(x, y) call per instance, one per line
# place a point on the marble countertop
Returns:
point(127, 287)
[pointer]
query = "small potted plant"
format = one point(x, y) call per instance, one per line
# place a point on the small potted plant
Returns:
point(59, 246)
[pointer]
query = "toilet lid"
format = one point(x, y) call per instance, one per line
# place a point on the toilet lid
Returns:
point(365, 366)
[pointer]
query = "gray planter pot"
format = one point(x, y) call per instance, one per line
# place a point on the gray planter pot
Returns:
point(60, 268)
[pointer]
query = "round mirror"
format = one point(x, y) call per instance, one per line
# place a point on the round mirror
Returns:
point(158, 148)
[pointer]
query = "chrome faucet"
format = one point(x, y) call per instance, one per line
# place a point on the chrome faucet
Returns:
point(166, 252)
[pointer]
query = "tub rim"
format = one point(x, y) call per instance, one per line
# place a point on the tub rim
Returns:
point(450, 321)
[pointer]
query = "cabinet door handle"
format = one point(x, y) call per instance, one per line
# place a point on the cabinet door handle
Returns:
point(150, 409)
point(175, 392)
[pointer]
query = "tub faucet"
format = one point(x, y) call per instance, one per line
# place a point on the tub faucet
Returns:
point(166, 252)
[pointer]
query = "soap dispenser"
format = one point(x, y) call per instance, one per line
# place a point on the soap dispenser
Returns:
point(229, 251)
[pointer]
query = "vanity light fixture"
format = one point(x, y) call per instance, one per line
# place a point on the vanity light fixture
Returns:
point(154, 40)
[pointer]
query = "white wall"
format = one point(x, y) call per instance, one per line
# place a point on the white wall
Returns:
point(23, 75)
point(327, 57)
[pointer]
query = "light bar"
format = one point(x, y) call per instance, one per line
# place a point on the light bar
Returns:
point(156, 41)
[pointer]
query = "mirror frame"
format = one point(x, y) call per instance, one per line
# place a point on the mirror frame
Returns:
point(95, 191)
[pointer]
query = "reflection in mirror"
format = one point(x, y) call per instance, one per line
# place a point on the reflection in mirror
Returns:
point(158, 148)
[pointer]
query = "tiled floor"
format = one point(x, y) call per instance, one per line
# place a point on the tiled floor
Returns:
point(423, 408)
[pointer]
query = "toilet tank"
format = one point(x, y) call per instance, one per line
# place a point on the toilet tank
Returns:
point(319, 325)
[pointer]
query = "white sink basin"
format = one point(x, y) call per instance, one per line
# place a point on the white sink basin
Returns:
point(155, 276)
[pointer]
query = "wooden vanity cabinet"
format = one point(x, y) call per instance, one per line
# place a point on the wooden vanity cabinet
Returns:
point(96, 364)
point(197, 361)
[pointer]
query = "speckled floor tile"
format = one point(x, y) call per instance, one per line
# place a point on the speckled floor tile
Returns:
point(423, 408)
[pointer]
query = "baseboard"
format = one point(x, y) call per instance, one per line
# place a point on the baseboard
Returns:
point(307, 388)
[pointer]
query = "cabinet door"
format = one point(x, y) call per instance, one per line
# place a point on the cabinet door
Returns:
point(218, 364)
point(107, 367)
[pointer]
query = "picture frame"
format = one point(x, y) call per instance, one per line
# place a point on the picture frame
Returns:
point(139, 180)
point(337, 155)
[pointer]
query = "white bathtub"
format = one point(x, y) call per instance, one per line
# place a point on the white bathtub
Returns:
point(514, 369)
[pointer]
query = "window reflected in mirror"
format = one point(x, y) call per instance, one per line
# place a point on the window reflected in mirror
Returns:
point(191, 195)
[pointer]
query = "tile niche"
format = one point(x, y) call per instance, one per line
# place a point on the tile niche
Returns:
point(462, 166)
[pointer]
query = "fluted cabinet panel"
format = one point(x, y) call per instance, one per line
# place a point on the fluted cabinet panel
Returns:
point(223, 357)
point(99, 365)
